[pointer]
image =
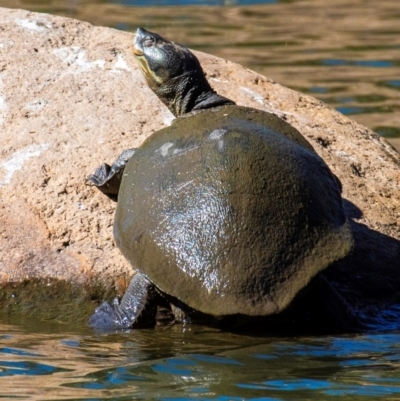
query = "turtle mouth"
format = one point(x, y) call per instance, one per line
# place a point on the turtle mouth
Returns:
point(136, 48)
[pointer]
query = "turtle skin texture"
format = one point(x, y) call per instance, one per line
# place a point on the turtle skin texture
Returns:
point(230, 211)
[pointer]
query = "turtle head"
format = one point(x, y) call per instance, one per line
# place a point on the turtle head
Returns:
point(161, 60)
point(174, 73)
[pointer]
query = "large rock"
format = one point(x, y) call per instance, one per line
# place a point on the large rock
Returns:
point(72, 96)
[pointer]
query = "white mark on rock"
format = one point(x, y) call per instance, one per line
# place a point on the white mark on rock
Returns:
point(120, 64)
point(342, 154)
point(17, 160)
point(346, 156)
point(3, 109)
point(6, 43)
point(37, 26)
point(256, 96)
point(217, 135)
point(168, 118)
point(164, 148)
point(218, 80)
point(76, 57)
point(3, 105)
point(37, 105)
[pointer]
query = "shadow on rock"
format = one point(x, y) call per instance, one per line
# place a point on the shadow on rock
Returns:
point(363, 290)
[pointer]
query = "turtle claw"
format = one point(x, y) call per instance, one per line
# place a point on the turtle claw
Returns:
point(108, 178)
point(99, 177)
point(125, 313)
point(109, 317)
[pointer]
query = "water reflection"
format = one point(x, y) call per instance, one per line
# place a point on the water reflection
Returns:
point(192, 362)
point(361, 63)
point(394, 84)
point(163, 3)
point(389, 132)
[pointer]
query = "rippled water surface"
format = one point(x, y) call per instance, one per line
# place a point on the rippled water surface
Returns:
point(40, 361)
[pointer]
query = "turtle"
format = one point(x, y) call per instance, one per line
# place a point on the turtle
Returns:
point(227, 213)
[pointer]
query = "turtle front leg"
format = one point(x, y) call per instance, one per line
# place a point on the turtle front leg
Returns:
point(124, 314)
point(108, 178)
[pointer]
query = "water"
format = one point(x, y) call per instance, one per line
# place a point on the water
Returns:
point(157, 3)
point(40, 361)
point(344, 52)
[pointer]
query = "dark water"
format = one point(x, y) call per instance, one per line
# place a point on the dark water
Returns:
point(40, 361)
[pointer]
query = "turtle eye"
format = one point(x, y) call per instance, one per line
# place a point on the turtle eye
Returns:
point(148, 42)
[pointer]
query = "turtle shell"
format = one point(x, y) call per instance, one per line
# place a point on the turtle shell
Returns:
point(230, 210)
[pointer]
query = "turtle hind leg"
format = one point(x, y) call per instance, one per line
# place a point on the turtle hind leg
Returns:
point(108, 178)
point(164, 315)
point(137, 308)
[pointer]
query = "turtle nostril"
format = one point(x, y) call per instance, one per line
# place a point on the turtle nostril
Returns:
point(148, 41)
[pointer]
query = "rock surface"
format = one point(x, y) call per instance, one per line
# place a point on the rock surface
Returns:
point(72, 97)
